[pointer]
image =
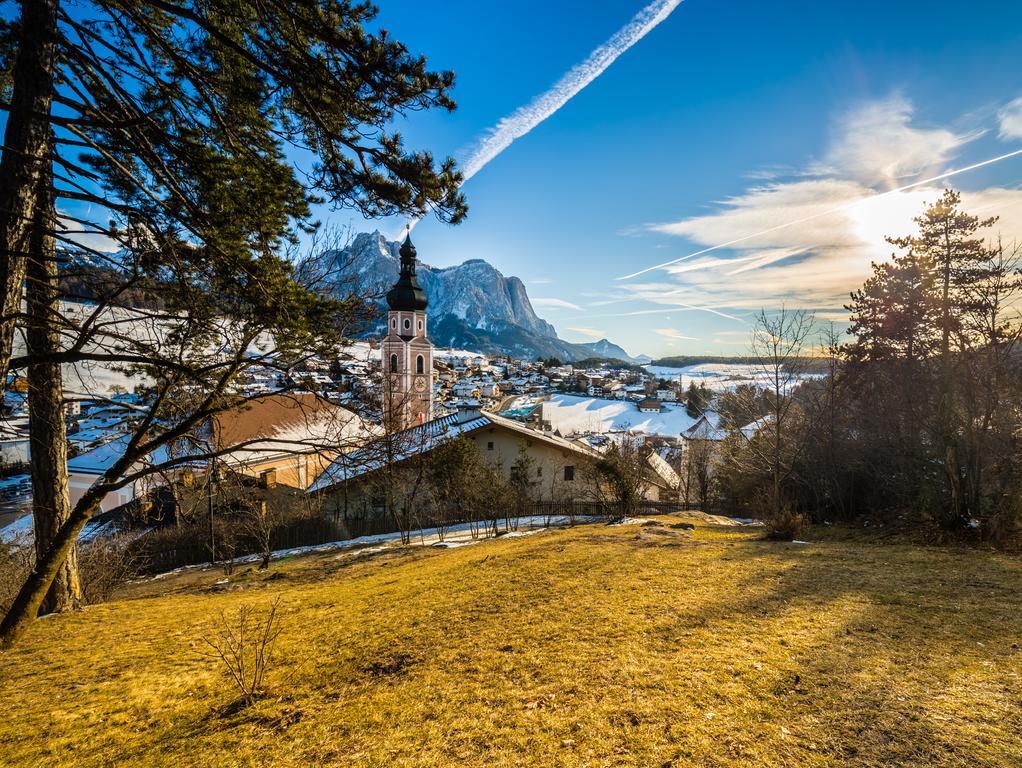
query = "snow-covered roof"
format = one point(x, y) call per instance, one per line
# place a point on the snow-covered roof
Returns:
point(707, 428)
point(399, 447)
point(753, 427)
point(99, 460)
point(664, 470)
point(293, 423)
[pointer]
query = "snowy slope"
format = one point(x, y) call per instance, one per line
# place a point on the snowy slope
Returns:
point(717, 376)
point(570, 413)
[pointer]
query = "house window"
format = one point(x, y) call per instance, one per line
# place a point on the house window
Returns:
point(420, 364)
point(569, 473)
point(539, 471)
point(420, 325)
point(408, 323)
point(489, 446)
point(393, 363)
point(393, 323)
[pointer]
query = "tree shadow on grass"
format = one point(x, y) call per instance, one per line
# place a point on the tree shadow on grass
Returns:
point(874, 655)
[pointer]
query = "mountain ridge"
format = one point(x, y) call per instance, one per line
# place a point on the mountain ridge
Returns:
point(472, 305)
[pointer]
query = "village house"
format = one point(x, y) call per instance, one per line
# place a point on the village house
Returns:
point(555, 464)
point(489, 389)
point(286, 439)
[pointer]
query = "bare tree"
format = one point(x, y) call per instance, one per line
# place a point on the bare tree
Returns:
point(769, 448)
point(620, 478)
point(697, 473)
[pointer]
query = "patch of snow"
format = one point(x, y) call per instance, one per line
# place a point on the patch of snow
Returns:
point(453, 544)
point(517, 534)
point(456, 535)
point(633, 521)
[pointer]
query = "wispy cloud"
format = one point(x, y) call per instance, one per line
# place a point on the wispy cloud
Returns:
point(1010, 119)
point(673, 333)
point(546, 303)
point(592, 333)
point(877, 145)
point(866, 197)
point(527, 117)
point(833, 216)
point(661, 293)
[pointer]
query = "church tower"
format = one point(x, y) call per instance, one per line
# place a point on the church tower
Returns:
point(407, 352)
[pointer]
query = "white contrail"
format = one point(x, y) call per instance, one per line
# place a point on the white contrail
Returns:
point(524, 119)
point(828, 212)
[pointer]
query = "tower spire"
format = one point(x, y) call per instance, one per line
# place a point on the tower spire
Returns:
point(407, 294)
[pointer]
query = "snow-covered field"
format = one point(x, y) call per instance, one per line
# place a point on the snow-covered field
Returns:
point(716, 376)
point(572, 413)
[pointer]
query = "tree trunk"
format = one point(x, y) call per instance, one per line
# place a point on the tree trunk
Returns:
point(33, 592)
point(51, 506)
point(26, 146)
point(948, 434)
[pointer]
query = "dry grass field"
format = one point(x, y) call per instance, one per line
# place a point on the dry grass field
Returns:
point(592, 646)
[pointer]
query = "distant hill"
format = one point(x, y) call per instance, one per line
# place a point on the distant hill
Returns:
point(471, 306)
point(812, 364)
point(683, 361)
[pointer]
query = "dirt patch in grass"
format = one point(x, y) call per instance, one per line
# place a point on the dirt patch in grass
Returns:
point(597, 646)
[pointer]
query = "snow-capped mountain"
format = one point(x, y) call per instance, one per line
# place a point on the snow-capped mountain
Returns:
point(471, 305)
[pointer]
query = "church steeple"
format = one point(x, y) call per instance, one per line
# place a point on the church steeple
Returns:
point(407, 351)
point(407, 294)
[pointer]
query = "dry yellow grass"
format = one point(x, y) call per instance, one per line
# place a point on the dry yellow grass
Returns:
point(596, 646)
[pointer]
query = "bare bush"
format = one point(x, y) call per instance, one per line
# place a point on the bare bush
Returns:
point(105, 564)
point(243, 644)
point(16, 560)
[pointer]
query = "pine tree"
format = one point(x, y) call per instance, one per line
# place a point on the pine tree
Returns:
point(958, 260)
point(931, 329)
point(201, 135)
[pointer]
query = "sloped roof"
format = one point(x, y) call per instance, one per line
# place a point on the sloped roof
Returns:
point(663, 470)
point(100, 459)
point(297, 422)
point(707, 428)
point(424, 438)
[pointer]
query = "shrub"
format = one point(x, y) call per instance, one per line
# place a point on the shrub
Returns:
point(243, 644)
point(787, 525)
point(105, 564)
point(16, 560)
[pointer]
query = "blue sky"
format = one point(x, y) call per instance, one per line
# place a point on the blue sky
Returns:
point(724, 120)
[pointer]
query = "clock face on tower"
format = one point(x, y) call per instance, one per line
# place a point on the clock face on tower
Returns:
point(419, 384)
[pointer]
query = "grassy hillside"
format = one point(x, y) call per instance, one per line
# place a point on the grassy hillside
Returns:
point(599, 646)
